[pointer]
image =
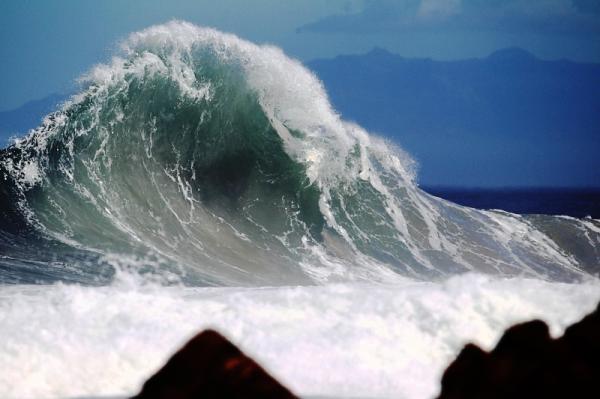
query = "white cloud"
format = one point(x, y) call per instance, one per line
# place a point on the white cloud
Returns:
point(438, 8)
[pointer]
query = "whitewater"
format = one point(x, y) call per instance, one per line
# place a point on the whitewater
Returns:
point(199, 180)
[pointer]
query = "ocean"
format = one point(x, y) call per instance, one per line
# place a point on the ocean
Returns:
point(199, 180)
point(576, 202)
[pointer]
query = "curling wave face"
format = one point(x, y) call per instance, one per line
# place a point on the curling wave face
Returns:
point(202, 158)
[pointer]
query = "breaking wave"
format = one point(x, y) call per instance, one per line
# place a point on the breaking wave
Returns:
point(199, 157)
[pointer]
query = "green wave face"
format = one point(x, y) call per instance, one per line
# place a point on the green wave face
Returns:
point(143, 164)
point(201, 157)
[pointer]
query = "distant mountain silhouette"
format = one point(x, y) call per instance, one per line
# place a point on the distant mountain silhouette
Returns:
point(28, 116)
point(509, 119)
point(512, 55)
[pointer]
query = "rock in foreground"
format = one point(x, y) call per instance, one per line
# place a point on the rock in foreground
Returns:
point(528, 363)
point(209, 366)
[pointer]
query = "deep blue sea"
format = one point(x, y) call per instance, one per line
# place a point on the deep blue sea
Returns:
point(576, 202)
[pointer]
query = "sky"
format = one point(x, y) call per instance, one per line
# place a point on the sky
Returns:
point(47, 44)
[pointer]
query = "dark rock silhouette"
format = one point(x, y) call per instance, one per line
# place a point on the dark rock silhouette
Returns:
point(209, 366)
point(528, 363)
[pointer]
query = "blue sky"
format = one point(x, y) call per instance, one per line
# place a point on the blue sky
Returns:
point(46, 44)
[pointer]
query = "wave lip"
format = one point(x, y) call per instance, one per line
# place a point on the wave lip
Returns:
point(198, 155)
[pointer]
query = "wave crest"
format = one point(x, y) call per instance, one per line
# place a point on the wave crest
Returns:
point(224, 162)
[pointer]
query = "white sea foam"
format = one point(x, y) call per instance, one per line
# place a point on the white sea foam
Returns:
point(341, 340)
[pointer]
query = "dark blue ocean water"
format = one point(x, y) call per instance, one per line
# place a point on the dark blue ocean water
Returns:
point(576, 202)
